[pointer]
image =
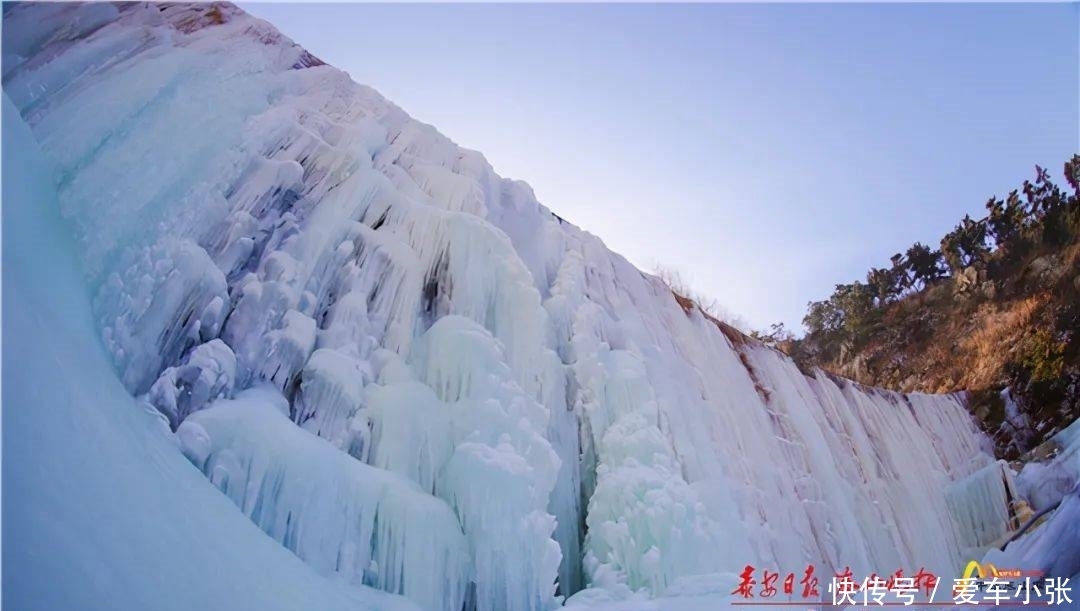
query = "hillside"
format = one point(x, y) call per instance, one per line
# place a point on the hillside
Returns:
point(995, 311)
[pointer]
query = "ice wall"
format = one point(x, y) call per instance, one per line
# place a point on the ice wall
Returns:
point(100, 510)
point(247, 216)
point(337, 514)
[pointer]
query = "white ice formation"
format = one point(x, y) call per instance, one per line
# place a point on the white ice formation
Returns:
point(1052, 547)
point(412, 375)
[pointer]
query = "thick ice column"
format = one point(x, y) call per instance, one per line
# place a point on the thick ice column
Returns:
point(337, 514)
point(331, 393)
point(454, 421)
point(980, 506)
point(411, 432)
point(498, 444)
point(566, 426)
point(565, 501)
point(171, 298)
point(646, 525)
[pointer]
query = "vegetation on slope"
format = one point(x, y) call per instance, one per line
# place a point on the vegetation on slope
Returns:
point(994, 310)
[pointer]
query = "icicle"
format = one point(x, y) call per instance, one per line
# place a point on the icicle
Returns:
point(168, 300)
point(331, 392)
point(980, 506)
point(337, 514)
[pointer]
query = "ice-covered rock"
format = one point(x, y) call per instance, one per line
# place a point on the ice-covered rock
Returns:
point(1044, 483)
point(1052, 548)
point(1051, 544)
point(207, 373)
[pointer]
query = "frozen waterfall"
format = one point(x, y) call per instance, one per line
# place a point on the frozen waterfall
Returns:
point(413, 376)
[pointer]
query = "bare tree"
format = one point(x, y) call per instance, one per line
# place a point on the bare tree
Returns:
point(709, 305)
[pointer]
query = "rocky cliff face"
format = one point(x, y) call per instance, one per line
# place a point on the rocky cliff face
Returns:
point(1008, 333)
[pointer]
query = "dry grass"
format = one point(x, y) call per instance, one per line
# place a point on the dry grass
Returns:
point(198, 17)
point(998, 329)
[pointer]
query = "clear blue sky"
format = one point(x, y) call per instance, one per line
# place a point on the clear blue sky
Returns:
point(767, 152)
